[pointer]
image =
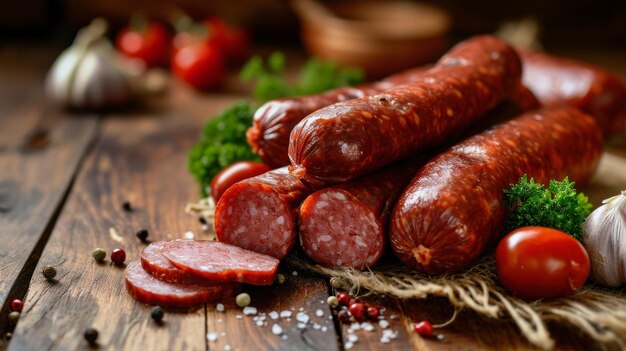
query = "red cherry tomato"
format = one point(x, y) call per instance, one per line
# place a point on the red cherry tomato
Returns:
point(537, 262)
point(234, 173)
point(232, 40)
point(201, 65)
point(151, 44)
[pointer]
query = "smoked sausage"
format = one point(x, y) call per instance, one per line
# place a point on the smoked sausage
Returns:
point(454, 208)
point(273, 122)
point(559, 81)
point(346, 225)
point(259, 213)
point(356, 137)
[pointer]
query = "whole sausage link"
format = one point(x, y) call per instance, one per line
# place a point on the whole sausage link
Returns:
point(453, 209)
point(358, 136)
point(273, 122)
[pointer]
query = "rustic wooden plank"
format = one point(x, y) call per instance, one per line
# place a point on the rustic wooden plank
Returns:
point(300, 295)
point(40, 151)
point(138, 158)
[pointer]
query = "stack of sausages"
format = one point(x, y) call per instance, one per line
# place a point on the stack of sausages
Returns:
point(418, 162)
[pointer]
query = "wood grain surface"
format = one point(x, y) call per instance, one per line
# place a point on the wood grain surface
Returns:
point(131, 162)
point(40, 150)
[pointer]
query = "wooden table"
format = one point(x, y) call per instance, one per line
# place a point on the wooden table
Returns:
point(63, 179)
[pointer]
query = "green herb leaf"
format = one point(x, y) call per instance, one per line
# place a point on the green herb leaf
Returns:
point(558, 207)
point(276, 62)
point(222, 142)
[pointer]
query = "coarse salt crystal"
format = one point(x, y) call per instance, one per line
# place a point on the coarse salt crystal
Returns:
point(219, 307)
point(384, 340)
point(348, 345)
point(353, 338)
point(189, 235)
point(324, 329)
point(277, 329)
point(302, 317)
point(211, 336)
point(249, 310)
point(239, 316)
point(301, 325)
point(295, 273)
point(259, 323)
point(319, 313)
point(393, 317)
point(274, 315)
point(391, 334)
point(383, 323)
point(367, 326)
point(227, 347)
point(316, 326)
point(285, 314)
point(355, 326)
point(284, 337)
point(301, 309)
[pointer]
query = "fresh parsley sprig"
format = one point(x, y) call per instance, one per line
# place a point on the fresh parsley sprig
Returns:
point(315, 77)
point(559, 206)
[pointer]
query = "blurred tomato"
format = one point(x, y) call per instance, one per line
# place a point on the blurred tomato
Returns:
point(231, 39)
point(537, 262)
point(201, 65)
point(234, 173)
point(149, 43)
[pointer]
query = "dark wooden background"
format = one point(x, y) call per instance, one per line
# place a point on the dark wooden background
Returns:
point(63, 178)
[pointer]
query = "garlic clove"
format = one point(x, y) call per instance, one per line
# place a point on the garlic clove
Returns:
point(605, 240)
point(88, 75)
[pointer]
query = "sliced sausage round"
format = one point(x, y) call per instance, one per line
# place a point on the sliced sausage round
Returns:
point(153, 262)
point(221, 262)
point(147, 289)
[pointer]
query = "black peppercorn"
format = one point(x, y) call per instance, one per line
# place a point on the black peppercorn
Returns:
point(49, 272)
point(91, 335)
point(126, 206)
point(202, 220)
point(142, 234)
point(157, 313)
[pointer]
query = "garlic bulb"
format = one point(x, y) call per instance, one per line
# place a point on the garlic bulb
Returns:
point(89, 74)
point(605, 240)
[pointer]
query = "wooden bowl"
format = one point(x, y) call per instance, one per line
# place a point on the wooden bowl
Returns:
point(380, 37)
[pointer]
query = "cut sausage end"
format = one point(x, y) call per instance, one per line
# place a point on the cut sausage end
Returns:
point(147, 289)
point(337, 230)
point(254, 217)
point(221, 262)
